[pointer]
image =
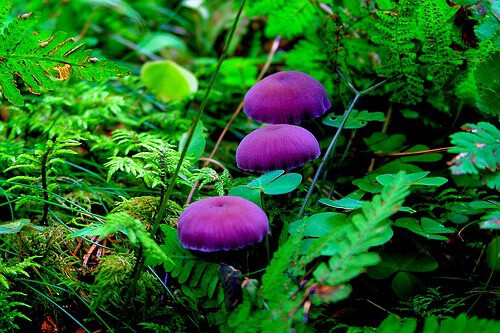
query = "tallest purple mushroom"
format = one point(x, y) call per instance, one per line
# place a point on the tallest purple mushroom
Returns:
point(286, 98)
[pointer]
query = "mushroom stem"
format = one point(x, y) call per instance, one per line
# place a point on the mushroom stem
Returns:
point(330, 148)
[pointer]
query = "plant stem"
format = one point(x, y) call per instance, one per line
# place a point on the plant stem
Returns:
point(165, 198)
point(44, 186)
point(171, 185)
point(327, 154)
point(330, 148)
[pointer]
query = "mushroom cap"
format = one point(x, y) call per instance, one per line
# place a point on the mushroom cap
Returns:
point(276, 147)
point(286, 98)
point(222, 224)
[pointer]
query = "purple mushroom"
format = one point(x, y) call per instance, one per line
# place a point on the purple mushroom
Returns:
point(276, 147)
point(286, 98)
point(222, 224)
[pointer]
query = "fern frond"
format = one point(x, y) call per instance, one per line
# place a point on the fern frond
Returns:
point(347, 247)
point(38, 58)
point(199, 278)
point(462, 323)
point(396, 33)
point(288, 18)
point(478, 150)
point(133, 229)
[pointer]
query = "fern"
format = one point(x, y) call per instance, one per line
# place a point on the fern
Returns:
point(478, 151)
point(133, 229)
point(8, 303)
point(395, 324)
point(345, 247)
point(436, 52)
point(288, 18)
point(41, 168)
point(397, 28)
point(153, 158)
point(37, 58)
point(198, 278)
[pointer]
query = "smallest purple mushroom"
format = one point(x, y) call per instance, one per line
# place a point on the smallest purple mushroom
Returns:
point(276, 147)
point(222, 224)
point(286, 98)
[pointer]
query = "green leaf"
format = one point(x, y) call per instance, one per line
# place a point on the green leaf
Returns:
point(169, 81)
point(405, 284)
point(493, 254)
point(197, 144)
point(357, 119)
point(13, 227)
point(466, 2)
point(428, 228)
point(243, 191)
point(159, 40)
point(344, 203)
point(380, 142)
point(318, 225)
point(487, 76)
point(284, 184)
point(418, 178)
point(491, 220)
point(265, 179)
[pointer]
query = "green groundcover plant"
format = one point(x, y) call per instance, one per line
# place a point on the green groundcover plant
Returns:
point(123, 147)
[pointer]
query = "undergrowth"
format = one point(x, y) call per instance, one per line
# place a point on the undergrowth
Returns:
point(399, 232)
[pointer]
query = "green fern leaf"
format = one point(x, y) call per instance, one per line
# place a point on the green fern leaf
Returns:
point(198, 277)
point(40, 57)
point(288, 18)
point(478, 152)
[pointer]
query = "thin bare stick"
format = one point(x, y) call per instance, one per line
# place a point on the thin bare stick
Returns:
point(414, 153)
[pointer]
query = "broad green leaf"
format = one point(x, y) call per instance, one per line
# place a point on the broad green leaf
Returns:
point(493, 254)
point(405, 284)
point(198, 142)
point(491, 220)
point(159, 40)
point(284, 184)
point(169, 81)
point(465, 2)
point(265, 179)
point(409, 178)
point(383, 143)
point(319, 224)
point(243, 191)
point(357, 119)
point(432, 181)
point(428, 228)
point(344, 203)
point(13, 227)
point(487, 75)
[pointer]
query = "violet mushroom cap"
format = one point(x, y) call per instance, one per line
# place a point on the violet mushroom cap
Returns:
point(286, 98)
point(222, 224)
point(276, 147)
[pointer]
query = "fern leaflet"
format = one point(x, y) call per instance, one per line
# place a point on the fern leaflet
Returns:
point(37, 58)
